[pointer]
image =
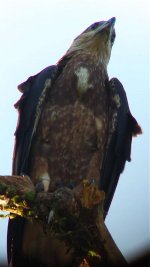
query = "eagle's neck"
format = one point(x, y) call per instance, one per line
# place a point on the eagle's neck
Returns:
point(85, 55)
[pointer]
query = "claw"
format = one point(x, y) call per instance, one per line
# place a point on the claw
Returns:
point(50, 216)
point(43, 184)
point(39, 187)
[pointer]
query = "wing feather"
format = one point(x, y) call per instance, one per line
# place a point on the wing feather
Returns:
point(123, 126)
point(30, 107)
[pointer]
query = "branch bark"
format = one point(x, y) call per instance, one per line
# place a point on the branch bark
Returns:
point(74, 216)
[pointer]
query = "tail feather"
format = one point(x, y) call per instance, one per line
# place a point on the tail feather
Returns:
point(135, 127)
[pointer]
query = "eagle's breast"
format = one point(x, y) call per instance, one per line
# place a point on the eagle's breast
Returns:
point(71, 136)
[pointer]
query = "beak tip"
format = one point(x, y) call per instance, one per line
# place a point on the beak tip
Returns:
point(112, 21)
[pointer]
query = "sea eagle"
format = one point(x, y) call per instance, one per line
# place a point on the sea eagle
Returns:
point(74, 124)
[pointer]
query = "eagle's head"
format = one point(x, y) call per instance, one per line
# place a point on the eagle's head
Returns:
point(97, 40)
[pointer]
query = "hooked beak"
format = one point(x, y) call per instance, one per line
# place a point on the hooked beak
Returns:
point(107, 24)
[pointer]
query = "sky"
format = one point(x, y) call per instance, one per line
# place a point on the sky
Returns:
point(35, 34)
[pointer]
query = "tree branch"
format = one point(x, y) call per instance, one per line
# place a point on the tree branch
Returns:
point(74, 216)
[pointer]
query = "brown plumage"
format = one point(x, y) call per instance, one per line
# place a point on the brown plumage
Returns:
point(71, 136)
point(79, 127)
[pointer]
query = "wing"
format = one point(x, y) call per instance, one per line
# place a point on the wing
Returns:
point(29, 106)
point(122, 127)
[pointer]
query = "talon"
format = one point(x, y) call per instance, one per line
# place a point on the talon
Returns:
point(43, 184)
point(50, 216)
point(39, 187)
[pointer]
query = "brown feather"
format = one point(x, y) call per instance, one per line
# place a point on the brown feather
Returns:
point(72, 132)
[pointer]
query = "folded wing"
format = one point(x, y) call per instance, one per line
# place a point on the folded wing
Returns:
point(122, 127)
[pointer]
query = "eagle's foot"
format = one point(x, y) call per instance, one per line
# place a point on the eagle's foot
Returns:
point(39, 187)
point(43, 184)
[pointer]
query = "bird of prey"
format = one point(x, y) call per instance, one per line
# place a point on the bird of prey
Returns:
point(74, 124)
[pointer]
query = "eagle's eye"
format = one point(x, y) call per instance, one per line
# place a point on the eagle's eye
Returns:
point(94, 26)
